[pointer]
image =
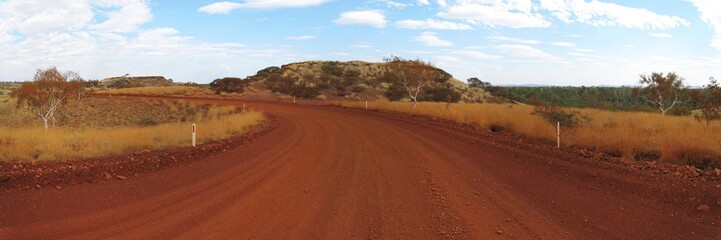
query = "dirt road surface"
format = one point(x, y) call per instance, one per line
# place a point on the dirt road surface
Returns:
point(333, 173)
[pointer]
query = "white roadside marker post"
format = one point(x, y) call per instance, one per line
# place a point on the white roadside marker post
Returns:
point(193, 135)
point(558, 134)
point(293, 99)
point(243, 107)
point(366, 105)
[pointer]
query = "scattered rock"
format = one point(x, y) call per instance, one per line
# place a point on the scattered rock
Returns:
point(121, 177)
point(718, 202)
point(703, 208)
point(37, 186)
point(107, 175)
point(718, 172)
point(499, 232)
point(58, 187)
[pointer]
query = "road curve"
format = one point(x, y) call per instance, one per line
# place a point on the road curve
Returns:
point(333, 173)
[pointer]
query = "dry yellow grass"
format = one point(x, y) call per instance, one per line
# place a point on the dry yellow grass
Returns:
point(60, 143)
point(626, 133)
point(160, 91)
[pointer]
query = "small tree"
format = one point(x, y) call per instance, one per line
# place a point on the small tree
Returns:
point(474, 82)
point(47, 91)
point(413, 75)
point(709, 101)
point(228, 84)
point(663, 92)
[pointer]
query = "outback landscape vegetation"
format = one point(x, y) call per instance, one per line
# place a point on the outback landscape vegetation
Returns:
point(263, 119)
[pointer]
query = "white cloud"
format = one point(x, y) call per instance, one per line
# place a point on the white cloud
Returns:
point(711, 15)
point(661, 35)
point(598, 13)
point(226, 7)
point(106, 38)
point(563, 44)
point(530, 13)
point(30, 18)
point(393, 4)
point(432, 40)
point(300, 37)
point(432, 24)
point(127, 18)
point(512, 39)
point(219, 7)
point(528, 52)
point(373, 18)
point(505, 13)
point(442, 3)
point(476, 55)
point(423, 2)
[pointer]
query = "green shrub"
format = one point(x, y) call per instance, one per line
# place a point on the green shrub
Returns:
point(228, 84)
point(555, 114)
point(396, 92)
point(323, 85)
point(148, 122)
point(680, 111)
point(358, 89)
point(441, 94)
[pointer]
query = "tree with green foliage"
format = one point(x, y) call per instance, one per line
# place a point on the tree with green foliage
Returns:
point(662, 92)
point(47, 91)
point(442, 94)
point(395, 92)
point(228, 84)
point(413, 75)
point(709, 101)
point(474, 82)
point(267, 72)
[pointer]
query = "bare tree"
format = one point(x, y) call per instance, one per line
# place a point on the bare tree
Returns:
point(414, 75)
point(46, 92)
point(661, 91)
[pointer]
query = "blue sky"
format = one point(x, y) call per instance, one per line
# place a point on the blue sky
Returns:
point(556, 42)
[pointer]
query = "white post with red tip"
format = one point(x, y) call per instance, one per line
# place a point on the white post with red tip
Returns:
point(558, 135)
point(193, 134)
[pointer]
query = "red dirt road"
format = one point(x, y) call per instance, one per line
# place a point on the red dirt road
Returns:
point(332, 173)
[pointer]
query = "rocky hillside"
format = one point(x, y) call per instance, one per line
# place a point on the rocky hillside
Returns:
point(141, 81)
point(330, 80)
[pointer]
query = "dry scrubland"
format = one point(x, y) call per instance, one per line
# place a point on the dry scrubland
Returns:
point(127, 136)
point(104, 113)
point(633, 135)
point(158, 91)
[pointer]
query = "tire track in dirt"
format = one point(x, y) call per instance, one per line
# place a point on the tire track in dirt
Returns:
point(332, 173)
